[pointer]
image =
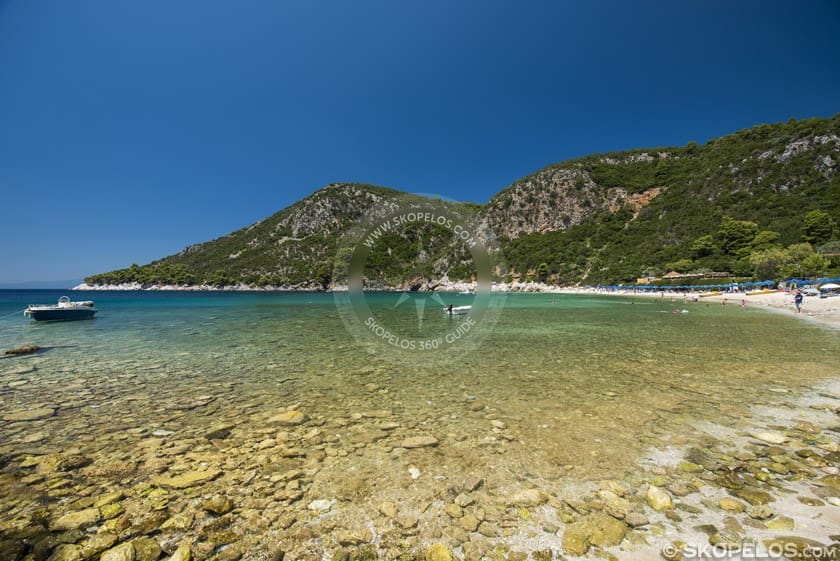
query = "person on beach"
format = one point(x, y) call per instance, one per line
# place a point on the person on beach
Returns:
point(797, 300)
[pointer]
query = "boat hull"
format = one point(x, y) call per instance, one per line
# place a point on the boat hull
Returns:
point(457, 310)
point(61, 314)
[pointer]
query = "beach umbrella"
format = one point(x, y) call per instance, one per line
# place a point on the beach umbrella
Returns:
point(830, 286)
point(811, 291)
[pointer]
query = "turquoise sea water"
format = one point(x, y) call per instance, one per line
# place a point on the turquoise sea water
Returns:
point(559, 389)
point(548, 362)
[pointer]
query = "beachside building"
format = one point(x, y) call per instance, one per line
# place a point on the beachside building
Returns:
point(674, 276)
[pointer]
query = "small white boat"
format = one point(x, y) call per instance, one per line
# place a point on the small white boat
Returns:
point(466, 293)
point(457, 310)
point(65, 310)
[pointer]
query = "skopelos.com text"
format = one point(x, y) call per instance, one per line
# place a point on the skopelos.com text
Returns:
point(748, 549)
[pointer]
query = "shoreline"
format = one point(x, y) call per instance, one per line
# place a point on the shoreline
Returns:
point(825, 311)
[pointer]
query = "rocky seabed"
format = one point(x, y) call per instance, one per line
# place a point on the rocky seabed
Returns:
point(106, 468)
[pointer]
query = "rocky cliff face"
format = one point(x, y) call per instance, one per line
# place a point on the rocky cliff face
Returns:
point(558, 198)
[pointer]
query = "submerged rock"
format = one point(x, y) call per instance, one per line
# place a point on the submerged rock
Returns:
point(23, 350)
point(289, 418)
point(606, 530)
point(575, 541)
point(218, 505)
point(111, 510)
point(754, 496)
point(98, 543)
point(614, 505)
point(66, 552)
point(353, 537)
point(770, 437)
point(388, 509)
point(659, 499)
point(183, 553)
point(419, 441)
point(219, 433)
point(527, 498)
point(760, 512)
point(78, 520)
point(109, 498)
point(689, 467)
point(810, 501)
point(614, 486)
point(146, 549)
point(832, 481)
point(636, 519)
point(179, 522)
point(728, 539)
point(438, 552)
point(598, 529)
point(30, 414)
point(186, 479)
point(123, 552)
point(780, 523)
point(732, 505)
point(701, 457)
point(469, 523)
point(321, 505)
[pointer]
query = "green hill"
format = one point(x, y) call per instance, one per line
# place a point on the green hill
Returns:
point(306, 244)
point(621, 215)
point(764, 201)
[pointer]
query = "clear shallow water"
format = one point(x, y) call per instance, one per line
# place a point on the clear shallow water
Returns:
point(562, 389)
point(549, 358)
point(550, 363)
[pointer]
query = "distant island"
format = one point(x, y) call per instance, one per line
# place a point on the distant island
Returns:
point(757, 204)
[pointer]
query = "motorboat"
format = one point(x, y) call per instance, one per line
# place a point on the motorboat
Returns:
point(457, 310)
point(64, 310)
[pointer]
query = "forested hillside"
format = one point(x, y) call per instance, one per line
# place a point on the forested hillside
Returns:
point(731, 205)
point(762, 202)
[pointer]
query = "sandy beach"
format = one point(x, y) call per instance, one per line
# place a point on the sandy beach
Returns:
point(814, 308)
point(823, 310)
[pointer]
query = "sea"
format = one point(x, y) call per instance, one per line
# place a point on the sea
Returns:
point(547, 389)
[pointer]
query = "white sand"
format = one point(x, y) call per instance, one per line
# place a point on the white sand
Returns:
point(823, 310)
point(814, 308)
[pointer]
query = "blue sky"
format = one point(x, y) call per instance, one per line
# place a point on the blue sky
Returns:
point(129, 130)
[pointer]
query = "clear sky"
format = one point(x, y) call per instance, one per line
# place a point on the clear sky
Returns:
point(129, 130)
